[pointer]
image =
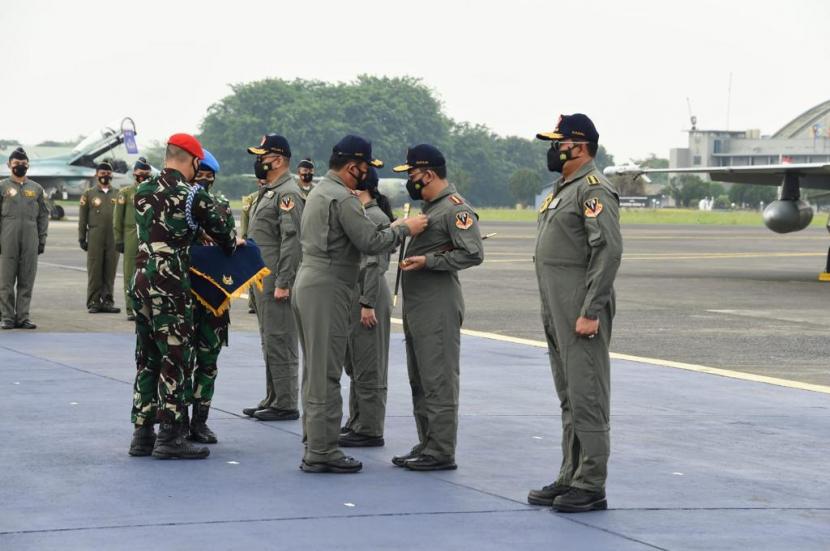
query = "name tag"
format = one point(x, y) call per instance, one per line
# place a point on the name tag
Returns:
point(554, 203)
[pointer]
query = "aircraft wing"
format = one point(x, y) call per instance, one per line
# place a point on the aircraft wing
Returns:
point(810, 175)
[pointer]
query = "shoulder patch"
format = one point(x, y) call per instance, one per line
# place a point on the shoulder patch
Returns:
point(463, 220)
point(456, 200)
point(83, 199)
point(592, 179)
point(121, 199)
point(286, 203)
point(592, 208)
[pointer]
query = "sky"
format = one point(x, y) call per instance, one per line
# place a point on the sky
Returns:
point(72, 67)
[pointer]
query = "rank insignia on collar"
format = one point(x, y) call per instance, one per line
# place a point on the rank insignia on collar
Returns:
point(96, 202)
point(592, 179)
point(286, 203)
point(456, 200)
point(592, 208)
point(463, 220)
point(269, 193)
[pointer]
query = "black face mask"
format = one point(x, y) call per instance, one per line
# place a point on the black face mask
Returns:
point(307, 178)
point(261, 169)
point(361, 179)
point(204, 182)
point(104, 180)
point(20, 170)
point(140, 178)
point(415, 189)
point(558, 157)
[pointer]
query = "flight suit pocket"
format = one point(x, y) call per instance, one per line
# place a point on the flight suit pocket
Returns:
point(583, 387)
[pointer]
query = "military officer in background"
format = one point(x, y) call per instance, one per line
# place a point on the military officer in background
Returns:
point(248, 202)
point(367, 355)
point(433, 306)
point(578, 252)
point(97, 239)
point(334, 233)
point(275, 226)
point(24, 220)
point(305, 172)
point(123, 225)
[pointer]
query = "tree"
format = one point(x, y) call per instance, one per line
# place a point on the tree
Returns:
point(692, 189)
point(749, 195)
point(652, 161)
point(525, 185)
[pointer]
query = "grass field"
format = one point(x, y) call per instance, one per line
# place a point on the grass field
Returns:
point(629, 216)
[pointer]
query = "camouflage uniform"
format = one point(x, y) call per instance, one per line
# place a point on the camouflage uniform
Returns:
point(161, 294)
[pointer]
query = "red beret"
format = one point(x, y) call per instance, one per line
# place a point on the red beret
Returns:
point(188, 143)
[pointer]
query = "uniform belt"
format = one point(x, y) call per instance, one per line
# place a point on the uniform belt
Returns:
point(347, 269)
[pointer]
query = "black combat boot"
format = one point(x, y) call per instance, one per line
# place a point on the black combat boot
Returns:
point(356, 440)
point(578, 500)
point(199, 431)
point(144, 437)
point(171, 444)
point(546, 495)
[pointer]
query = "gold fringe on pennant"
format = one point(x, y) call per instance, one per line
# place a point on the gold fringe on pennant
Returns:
point(255, 280)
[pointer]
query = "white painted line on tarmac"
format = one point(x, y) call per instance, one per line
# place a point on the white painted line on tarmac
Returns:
point(660, 363)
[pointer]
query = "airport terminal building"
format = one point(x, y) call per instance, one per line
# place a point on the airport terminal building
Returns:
point(805, 139)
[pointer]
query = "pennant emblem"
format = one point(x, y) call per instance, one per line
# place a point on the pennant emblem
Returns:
point(592, 208)
point(286, 203)
point(227, 280)
point(463, 220)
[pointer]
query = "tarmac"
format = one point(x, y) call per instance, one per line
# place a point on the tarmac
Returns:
point(720, 419)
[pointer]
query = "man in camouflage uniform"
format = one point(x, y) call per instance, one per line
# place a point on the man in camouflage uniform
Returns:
point(24, 219)
point(578, 252)
point(169, 214)
point(433, 307)
point(211, 331)
point(335, 231)
point(126, 241)
point(97, 239)
point(275, 226)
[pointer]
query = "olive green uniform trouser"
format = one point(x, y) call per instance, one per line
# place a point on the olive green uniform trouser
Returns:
point(367, 363)
point(581, 373)
point(278, 335)
point(18, 267)
point(433, 312)
point(322, 302)
point(101, 264)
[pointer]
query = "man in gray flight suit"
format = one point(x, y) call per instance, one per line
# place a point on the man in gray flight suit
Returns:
point(433, 307)
point(24, 219)
point(97, 239)
point(367, 356)
point(275, 226)
point(335, 231)
point(578, 252)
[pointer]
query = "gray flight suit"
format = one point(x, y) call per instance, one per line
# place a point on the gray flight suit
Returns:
point(248, 203)
point(367, 356)
point(335, 231)
point(433, 312)
point(95, 217)
point(275, 226)
point(578, 252)
point(24, 219)
point(126, 235)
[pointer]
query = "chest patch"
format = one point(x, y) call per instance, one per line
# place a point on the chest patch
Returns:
point(11, 192)
point(30, 194)
point(96, 202)
point(592, 208)
point(286, 204)
point(463, 220)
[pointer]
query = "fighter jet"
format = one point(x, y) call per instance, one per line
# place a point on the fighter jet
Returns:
point(68, 176)
point(787, 214)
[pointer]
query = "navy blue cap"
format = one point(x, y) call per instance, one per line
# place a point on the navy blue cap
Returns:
point(105, 165)
point(19, 154)
point(422, 156)
point(576, 127)
point(372, 179)
point(272, 143)
point(141, 164)
point(357, 148)
point(306, 163)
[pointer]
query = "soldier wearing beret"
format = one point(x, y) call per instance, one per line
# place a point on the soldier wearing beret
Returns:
point(275, 226)
point(578, 252)
point(24, 219)
point(126, 241)
point(97, 239)
point(433, 306)
point(334, 233)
